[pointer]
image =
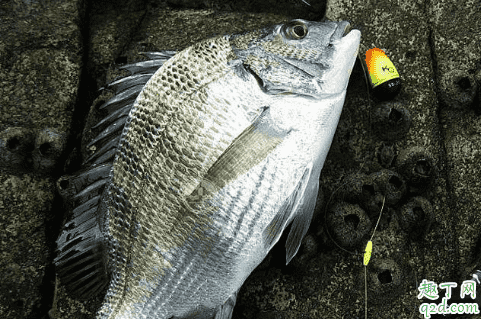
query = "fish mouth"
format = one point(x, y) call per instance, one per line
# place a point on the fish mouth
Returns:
point(343, 28)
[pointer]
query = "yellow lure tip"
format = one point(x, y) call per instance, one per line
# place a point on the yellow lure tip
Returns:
point(367, 254)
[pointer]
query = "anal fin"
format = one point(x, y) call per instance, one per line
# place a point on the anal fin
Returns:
point(225, 311)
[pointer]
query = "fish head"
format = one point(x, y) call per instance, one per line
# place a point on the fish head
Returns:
point(300, 57)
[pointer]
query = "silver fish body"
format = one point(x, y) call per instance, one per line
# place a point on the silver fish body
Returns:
point(221, 150)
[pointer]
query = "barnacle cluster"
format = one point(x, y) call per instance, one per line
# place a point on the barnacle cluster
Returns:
point(24, 150)
point(399, 185)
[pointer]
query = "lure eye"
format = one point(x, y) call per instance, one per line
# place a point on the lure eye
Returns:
point(295, 30)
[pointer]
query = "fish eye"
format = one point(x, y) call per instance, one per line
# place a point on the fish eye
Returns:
point(295, 30)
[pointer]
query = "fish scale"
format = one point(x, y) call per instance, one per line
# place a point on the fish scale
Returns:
point(134, 134)
point(220, 151)
point(224, 249)
point(253, 216)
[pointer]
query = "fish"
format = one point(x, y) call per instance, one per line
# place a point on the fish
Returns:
point(205, 157)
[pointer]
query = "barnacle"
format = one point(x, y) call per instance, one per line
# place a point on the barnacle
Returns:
point(348, 224)
point(418, 168)
point(458, 89)
point(415, 217)
point(24, 150)
point(390, 121)
point(391, 185)
point(361, 188)
point(16, 145)
point(384, 280)
point(48, 147)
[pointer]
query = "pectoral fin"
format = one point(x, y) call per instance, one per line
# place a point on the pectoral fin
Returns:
point(225, 311)
point(248, 149)
point(274, 230)
point(303, 217)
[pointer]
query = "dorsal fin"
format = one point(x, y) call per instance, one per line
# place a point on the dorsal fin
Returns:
point(118, 107)
point(81, 261)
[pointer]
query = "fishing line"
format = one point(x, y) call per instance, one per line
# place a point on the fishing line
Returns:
point(325, 215)
point(367, 91)
point(367, 256)
point(414, 272)
point(53, 312)
point(368, 250)
point(360, 168)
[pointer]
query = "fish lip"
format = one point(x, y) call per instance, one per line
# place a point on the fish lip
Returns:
point(342, 29)
point(347, 29)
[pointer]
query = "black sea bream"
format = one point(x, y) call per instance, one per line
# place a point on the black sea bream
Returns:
point(202, 165)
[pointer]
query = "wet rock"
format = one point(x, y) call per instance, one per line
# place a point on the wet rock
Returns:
point(25, 203)
point(384, 219)
point(477, 98)
point(272, 315)
point(386, 154)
